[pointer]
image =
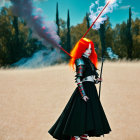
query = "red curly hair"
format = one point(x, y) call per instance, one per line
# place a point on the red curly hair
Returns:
point(80, 48)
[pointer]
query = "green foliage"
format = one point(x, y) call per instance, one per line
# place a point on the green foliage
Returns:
point(63, 33)
point(120, 40)
point(129, 36)
point(102, 32)
point(15, 39)
point(87, 18)
point(136, 38)
point(116, 38)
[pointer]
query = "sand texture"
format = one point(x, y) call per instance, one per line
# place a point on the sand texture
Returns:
point(32, 100)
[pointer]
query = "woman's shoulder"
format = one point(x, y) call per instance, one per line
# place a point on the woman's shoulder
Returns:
point(79, 61)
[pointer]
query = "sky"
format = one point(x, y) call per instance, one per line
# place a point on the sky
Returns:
point(78, 9)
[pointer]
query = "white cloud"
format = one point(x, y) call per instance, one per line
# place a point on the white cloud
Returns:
point(125, 7)
point(135, 13)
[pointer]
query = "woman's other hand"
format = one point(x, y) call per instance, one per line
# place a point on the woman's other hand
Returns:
point(99, 79)
point(85, 98)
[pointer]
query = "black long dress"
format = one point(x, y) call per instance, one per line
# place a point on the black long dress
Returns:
point(80, 117)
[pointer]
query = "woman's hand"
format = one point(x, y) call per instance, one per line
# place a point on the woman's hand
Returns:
point(85, 98)
point(99, 79)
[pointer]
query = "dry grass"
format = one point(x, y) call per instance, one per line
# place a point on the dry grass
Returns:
point(32, 100)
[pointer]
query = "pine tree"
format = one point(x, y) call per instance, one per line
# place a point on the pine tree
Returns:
point(87, 19)
point(102, 38)
point(15, 48)
point(129, 36)
point(57, 19)
point(68, 33)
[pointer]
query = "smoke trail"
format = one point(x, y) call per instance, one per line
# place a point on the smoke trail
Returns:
point(111, 54)
point(95, 9)
point(39, 59)
point(2, 3)
point(41, 29)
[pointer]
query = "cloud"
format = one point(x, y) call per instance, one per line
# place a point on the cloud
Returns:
point(95, 10)
point(135, 13)
point(125, 7)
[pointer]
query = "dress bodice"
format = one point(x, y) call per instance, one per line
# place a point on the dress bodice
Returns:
point(89, 68)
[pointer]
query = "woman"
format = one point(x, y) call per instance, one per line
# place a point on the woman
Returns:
point(83, 115)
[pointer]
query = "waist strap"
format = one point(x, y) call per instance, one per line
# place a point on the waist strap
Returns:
point(88, 78)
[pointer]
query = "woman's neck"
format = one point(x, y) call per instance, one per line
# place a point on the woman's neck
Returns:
point(85, 55)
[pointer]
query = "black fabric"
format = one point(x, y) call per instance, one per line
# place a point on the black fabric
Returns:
point(89, 68)
point(79, 117)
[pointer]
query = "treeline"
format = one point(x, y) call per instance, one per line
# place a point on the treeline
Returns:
point(123, 39)
point(16, 39)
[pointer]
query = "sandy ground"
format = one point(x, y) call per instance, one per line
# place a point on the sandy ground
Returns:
point(32, 100)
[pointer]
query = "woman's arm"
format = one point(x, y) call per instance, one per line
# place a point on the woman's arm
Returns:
point(80, 66)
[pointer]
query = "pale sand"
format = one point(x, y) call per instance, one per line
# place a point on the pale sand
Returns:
point(32, 100)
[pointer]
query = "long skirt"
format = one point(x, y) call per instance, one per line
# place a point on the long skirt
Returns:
point(80, 117)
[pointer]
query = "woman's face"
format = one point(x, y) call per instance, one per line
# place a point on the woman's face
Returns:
point(88, 51)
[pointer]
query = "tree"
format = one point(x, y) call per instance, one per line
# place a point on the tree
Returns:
point(129, 37)
point(57, 19)
point(136, 38)
point(15, 42)
point(120, 40)
point(16, 49)
point(68, 33)
point(102, 38)
point(87, 18)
